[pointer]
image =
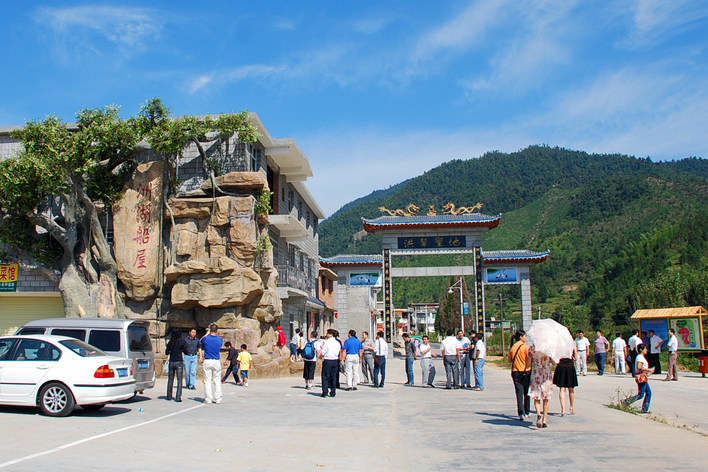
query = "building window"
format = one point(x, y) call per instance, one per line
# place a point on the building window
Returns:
point(292, 262)
point(299, 210)
point(291, 200)
point(255, 155)
point(307, 219)
point(283, 194)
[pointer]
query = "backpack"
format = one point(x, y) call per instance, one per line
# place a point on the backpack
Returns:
point(309, 352)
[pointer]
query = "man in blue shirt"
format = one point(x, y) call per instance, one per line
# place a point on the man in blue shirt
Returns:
point(351, 355)
point(211, 351)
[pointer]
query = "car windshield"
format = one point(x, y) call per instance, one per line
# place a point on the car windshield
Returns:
point(81, 348)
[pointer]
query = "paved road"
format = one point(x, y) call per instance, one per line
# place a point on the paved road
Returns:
point(276, 424)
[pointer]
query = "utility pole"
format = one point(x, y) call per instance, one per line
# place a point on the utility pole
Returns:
point(501, 315)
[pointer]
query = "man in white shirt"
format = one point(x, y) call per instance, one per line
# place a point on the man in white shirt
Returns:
point(380, 354)
point(582, 344)
point(619, 353)
point(426, 362)
point(451, 359)
point(479, 353)
point(465, 365)
point(330, 364)
point(672, 373)
point(632, 344)
point(655, 343)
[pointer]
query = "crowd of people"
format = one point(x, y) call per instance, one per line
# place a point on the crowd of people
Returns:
point(533, 374)
point(364, 361)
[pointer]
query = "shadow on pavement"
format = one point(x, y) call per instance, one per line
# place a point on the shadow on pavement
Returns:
point(505, 420)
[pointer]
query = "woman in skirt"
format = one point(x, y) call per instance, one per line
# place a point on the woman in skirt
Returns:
point(565, 378)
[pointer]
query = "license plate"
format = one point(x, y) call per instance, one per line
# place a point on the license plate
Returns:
point(142, 365)
point(123, 372)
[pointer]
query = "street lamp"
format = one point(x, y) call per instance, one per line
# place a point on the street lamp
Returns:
point(462, 313)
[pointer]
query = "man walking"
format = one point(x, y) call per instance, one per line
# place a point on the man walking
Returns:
point(293, 345)
point(351, 356)
point(211, 348)
point(465, 365)
point(426, 363)
point(190, 348)
point(601, 345)
point(380, 354)
point(655, 343)
point(367, 358)
point(632, 343)
point(309, 355)
point(619, 352)
point(582, 344)
point(330, 364)
point(451, 359)
point(479, 353)
point(672, 372)
point(410, 358)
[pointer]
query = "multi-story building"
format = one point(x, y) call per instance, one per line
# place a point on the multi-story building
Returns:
point(293, 227)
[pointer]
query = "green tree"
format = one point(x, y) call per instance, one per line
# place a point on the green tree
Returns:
point(65, 174)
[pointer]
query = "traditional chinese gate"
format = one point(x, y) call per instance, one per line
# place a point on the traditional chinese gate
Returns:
point(410, 234)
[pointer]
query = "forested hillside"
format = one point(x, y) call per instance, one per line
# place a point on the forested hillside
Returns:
point(624, 232)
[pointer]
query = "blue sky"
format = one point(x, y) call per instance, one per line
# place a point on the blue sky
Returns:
point(378, 92)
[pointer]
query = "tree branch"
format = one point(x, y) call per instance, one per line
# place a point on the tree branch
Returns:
point(29, 263)
point(55, 230)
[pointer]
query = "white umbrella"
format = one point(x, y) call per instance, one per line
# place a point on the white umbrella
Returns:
point(552, 339)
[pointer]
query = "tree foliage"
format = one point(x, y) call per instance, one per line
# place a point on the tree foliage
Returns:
point(65, 175)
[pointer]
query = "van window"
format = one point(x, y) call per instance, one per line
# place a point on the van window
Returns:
point(31, 331)
point(79, 334)
point(105, 340)
point(138, 339)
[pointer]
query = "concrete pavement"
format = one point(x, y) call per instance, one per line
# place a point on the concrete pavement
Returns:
point(276, 424)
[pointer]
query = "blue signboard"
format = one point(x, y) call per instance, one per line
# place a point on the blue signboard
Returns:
point(501, 276)
point(372, 278)
point(660, 328)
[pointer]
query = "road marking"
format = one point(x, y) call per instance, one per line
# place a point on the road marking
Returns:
point(93, 438)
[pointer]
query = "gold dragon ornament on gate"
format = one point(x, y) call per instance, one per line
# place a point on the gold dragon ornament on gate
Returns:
point(449, 209)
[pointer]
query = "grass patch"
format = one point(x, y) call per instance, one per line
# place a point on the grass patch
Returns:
point(620, 401)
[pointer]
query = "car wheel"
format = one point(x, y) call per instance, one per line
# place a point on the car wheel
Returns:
point(56, 399)
point(93, 407)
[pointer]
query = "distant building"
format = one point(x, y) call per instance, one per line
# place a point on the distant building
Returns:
point(358, 285)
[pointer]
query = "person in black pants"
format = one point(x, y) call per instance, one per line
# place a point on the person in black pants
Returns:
point(176, 365)
point(521, 373)
point(230, 363)
point(330, 364)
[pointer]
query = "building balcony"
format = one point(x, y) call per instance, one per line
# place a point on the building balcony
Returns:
point(293, 282)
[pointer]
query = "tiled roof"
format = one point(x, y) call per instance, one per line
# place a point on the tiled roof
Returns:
point(352, 260)
point(438, 221)
point(521, 255)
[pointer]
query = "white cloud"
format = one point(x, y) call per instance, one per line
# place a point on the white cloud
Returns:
point(371, 25)
point(125, 26)
point(653, 21)
point(285, 24)
point(200, 82)
point(222, 77)
point(463, 31)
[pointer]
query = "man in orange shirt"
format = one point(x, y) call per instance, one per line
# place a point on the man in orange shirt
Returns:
point(521, 373)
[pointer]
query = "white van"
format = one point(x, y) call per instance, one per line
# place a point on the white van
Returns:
point(117, 337)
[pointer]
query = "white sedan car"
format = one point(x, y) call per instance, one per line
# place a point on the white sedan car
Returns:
point(56, 373)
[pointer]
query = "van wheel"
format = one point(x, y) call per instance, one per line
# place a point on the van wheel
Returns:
point(93, 407)
point(55, 399)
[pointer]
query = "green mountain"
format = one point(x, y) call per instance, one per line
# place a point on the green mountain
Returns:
point(624, 232)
